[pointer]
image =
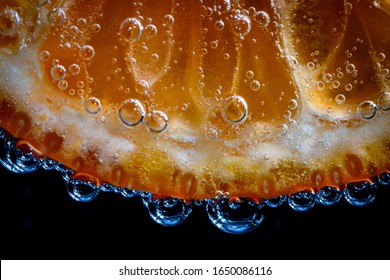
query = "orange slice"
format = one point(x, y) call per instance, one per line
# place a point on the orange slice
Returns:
point(188, 99)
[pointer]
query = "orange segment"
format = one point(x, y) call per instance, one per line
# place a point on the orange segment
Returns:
point(188, 99)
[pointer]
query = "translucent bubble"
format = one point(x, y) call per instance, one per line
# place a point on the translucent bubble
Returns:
point(320, 122)
point(58, 72)
point(74, 69)
point(168, 20)
point(241, 25)
point(302, 201)
point(82, 191)
point(383, 101)
point(235, 109)
point(327, 78)
point(340, 99)
point(92, 105)
point(255, 85)
point(131, 112)
point(130, 30)
point(214, 44)
point(95, 28)
point(275, 201)
point(350, 68)
point(226, 56)
point(56, 17)
point(310, 66)
point(167, 211)
point(142, 87)
point(261, 19)
point(320, 85)
point(335, 84)
point(150, 31)
point(87, 52)
point(219, 25)
point(292, 104)
point(281, 129)
point(381, 56)
point(157, 121)
point(81, 22)
point(155, 57)
point(44, 55)
point(62, 85)
point(348, 87)
point(328, 196)
point(249, 74)
point(9, 22)
point(366, 110)
point(360, 193)
point(222, 6)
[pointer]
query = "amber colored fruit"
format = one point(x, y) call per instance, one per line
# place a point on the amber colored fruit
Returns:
point(187, 99)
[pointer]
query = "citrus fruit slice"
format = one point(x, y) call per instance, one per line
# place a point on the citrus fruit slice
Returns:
point(188, 99)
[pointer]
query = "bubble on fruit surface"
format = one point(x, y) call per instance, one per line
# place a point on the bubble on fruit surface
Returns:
point(87, 52)
point(142, 87)
point(366, 110)
point(241, 25)
point(58, 72)
point(281, 129)
point(130, 30)
point(9, 22)
point(340, 99)
point(168, 20)
point(157, 121)
point(383, 101)
point(131, 112)
point(255, 85)
point(56, 17)
point(261, 19)
point(150, 31)
point(292, 104)
point(235, 109)
point(92, 105)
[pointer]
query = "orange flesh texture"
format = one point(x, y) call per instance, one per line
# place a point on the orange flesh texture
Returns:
point(255, 110)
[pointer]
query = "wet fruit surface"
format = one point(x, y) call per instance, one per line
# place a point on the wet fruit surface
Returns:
point(254, 99)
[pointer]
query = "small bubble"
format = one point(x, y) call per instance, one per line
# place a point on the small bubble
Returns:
point(80, 84)
point(56, 17)
point(226, 56)
point(142, 87)
point(58, 72)
point(292, 104)
point(340, 99)
point(255, 85)
point(310, 66)
point(219, 25)
point(168, 20)
point(249, 74)
point(150, 31)
point(9, 22)
point(87, 52)
point(348, 87)
point(157, 121)
point(383, 101)
point(131, 112)
point(241, 25)
point(95, 28)
point(81, 22)
point(62, 85)
point(130, 30)
point(101, 120)
point(214, 44)
point(44, 55)
point(366, 110)
point(281, 129)
point(211, 133)
point(155, 57)
point(235, 109)
point(327, 78)
point(92, 105)
point(335, 84)
point(261, 19)
point(350, 68)
point(381, 56)
point(320, 85)
point(320, 122)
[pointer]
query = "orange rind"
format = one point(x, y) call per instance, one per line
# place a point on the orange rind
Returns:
point(190, 100)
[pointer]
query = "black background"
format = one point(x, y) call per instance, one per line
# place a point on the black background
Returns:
point(40, 221)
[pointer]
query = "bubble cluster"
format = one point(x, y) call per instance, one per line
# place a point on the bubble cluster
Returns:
point(261, 19)
point(56, 17)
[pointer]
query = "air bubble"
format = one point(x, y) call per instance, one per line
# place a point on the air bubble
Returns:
point(350, 68)
point(82, 191)
point(340, 99)
point(360, 193)
point(261, 19)
point(255, 85)
point(62, 85)
point(366, 110)
point(281, 129)
point(302, 201)
point(56, 17)
point(87, 52)
point(58, 72)
point(131, 112)
point(241, 25)
point(335, 84)
point(249, 74)
point(142, 87)
point(95, 28)
point(219, 25)
point(327, 78)
point(9, 22)
point(92, 105)
point(320, 122)
point(130, 30)
point(292, 104)
point(348, 87)
point(320, 85)
point(168, 20)
point(383, 101)
point(328, 196)
point(157, 121)
point(235, 109)
point(381, 56)
point(74, 69)
point(150, 31)
point(44, 55)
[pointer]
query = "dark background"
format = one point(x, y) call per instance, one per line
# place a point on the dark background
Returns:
point(39, 220)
